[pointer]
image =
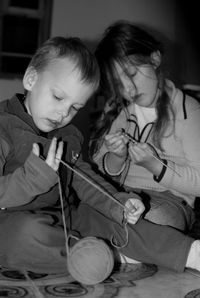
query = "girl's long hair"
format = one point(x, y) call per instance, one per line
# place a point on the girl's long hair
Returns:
point(122, 42)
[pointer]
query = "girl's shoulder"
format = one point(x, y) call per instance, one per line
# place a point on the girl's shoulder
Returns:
point(183, 104)
point(188, 106)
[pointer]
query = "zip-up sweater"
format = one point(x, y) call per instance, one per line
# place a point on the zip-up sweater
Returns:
point(28, 183)
point(181, 149)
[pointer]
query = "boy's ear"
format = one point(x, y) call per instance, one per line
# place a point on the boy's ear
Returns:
point(30, 78)
point(156, 59)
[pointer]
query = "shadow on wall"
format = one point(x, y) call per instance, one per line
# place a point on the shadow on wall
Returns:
point(171, 60)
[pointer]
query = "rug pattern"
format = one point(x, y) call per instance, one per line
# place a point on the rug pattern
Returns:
point(15, 284)
point(193, 294)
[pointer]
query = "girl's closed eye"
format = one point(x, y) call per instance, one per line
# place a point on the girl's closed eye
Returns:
point(59, 98)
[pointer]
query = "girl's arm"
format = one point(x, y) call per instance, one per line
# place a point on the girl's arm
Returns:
point(189, 167)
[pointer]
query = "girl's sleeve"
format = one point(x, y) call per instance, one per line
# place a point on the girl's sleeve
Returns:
point(20, 187)
point(188, 180)
point(100, 157)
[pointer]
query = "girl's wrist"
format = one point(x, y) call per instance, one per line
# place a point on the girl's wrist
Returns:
point(111, 159)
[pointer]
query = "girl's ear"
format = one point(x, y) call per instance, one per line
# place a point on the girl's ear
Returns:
point(30, 78)
point(156, 59)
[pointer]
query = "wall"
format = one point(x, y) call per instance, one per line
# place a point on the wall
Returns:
point(88, 18)
point(188, 37)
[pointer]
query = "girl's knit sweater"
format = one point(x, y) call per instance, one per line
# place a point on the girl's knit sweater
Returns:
point(181, 149)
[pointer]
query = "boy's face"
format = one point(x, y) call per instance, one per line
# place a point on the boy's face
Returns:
point(55, 95)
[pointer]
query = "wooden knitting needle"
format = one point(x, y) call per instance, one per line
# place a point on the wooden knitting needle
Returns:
point(132, 140)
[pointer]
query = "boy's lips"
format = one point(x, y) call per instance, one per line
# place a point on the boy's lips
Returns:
point(54, 123)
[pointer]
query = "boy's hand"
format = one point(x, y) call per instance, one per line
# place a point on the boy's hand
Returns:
point(133, 211)
point(54, 154)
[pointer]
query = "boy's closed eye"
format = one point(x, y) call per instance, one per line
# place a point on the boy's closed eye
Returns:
point(59, 98)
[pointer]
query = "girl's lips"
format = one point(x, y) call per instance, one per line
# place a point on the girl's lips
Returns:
point(135, 98)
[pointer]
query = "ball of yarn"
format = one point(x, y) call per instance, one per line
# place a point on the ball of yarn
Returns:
point(90, 261)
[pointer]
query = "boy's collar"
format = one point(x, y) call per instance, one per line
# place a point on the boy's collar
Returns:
point(17, 107)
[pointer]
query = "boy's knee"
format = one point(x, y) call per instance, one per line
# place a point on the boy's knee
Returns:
point(28, 227)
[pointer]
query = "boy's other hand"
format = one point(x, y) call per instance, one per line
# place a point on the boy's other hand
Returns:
point(134, 209)
point(54, 154)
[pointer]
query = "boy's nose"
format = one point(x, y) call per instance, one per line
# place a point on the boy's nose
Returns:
point(63, 113)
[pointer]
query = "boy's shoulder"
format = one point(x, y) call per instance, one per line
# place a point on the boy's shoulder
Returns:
point(5, 116)
point(4, 106)
point(70, 132)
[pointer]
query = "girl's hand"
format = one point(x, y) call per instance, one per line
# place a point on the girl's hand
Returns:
point(54, 154)
point(116, 143)
point(133, 211)
point(142, 154)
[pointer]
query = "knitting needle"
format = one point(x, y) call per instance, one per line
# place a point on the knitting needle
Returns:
point(95, 185)
point(132, 140)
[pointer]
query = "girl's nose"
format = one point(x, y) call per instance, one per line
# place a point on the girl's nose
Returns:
point(130, 87)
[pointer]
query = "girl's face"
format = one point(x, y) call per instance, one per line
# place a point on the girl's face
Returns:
point(138, 84)
point(55, 95)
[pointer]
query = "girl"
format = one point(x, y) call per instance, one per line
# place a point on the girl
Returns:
point(148, 136)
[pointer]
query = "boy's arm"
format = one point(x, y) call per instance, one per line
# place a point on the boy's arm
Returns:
point(95, 198)
point(20, 187)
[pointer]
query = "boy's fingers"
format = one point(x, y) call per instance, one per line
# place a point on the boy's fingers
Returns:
point(36, 149)
point(59, 151)
point(52, 151)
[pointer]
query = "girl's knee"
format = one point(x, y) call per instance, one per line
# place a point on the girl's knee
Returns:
point(168, 218)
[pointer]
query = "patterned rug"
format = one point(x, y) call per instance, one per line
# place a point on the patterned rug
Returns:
point(193, 294)
point(17, 285)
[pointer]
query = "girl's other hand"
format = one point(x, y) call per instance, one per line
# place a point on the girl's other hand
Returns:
point(143, 155)
point(140, 153)
point(116, 143)
point(133, 211)
point(54, 153)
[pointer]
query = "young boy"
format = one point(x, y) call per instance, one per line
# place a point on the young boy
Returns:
point(35, 134)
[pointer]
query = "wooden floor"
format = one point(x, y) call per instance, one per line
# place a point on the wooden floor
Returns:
point(127, 281)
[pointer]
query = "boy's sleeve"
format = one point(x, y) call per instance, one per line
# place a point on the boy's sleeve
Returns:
point(20, 187)
point(95, 198)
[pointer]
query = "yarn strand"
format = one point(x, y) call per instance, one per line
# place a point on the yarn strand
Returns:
point(34, 287)
point(94, 184)
point(63, 217)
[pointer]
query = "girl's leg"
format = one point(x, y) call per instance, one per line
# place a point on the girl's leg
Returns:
point(166, 209)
